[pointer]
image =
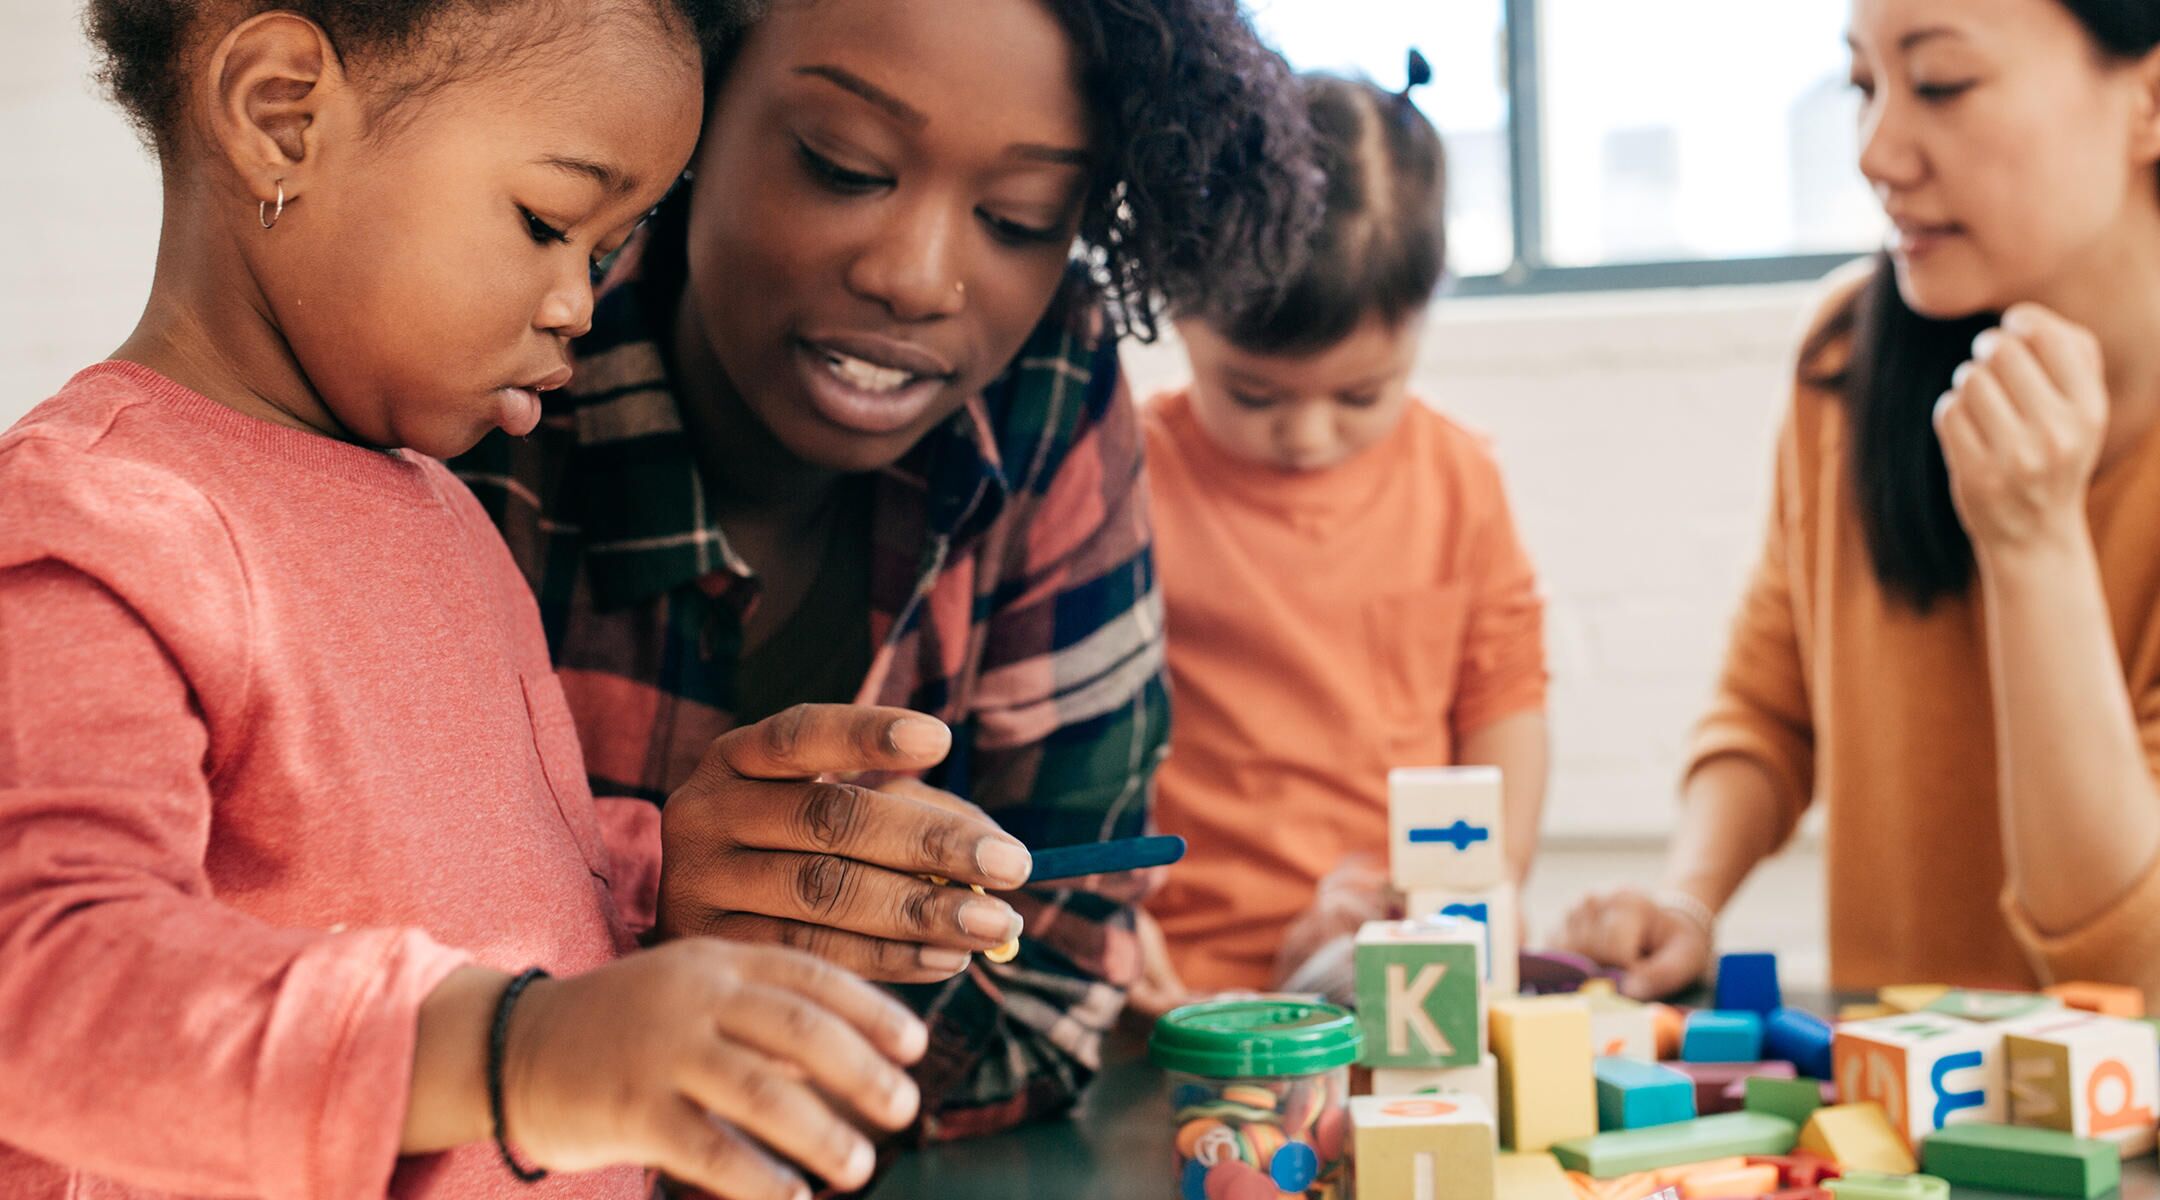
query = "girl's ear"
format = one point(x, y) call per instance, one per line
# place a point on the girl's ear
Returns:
point(2145, 131)
point(271, 84)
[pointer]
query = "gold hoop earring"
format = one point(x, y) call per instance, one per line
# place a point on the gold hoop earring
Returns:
point(268, 216)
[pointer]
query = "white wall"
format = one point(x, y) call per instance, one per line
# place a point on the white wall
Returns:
point(79, 199)
point(1635, 429)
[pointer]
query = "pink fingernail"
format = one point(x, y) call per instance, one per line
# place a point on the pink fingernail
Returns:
point(920, 737)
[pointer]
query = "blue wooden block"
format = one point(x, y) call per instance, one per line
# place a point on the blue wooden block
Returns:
point(1632, 1094)
point(1800, 1038)
point(1722, 1037)
point(1748, 983)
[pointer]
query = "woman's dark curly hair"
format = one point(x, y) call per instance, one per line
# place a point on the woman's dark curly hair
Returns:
point(144, 46)
point(1207, 193)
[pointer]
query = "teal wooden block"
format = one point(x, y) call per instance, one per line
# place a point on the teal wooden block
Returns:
point(1637, 1095)
point(1793, 1099)
point(2008, 1158)
point(1609, 1155)
point(1713, 1036)
point(1874, 1185)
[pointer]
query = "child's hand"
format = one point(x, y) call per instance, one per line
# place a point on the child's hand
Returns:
point(1353, 893)
point(761, 845)
point(1662, 950)
point(660, 1058)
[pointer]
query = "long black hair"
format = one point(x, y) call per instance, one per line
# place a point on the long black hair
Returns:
point(1900, 362)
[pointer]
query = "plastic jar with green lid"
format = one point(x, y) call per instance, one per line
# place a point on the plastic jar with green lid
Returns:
point(1260, 1096)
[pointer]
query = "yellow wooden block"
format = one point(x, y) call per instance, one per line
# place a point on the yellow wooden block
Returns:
point(1423, 1147)
point(1742, 1180)
point(1864, 1012)
point(1912, 997)
point(1530, 1177)
point(1858, 1137)
point(1547, 1090)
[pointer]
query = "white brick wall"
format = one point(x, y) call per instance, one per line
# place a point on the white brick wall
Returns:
point(1635, 429)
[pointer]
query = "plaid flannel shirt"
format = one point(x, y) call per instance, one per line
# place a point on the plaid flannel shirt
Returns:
point(1012, 594)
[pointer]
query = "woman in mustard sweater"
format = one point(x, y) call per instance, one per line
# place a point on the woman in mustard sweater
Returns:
point(1953, 635)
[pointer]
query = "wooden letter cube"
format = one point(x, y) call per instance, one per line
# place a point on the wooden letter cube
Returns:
point(1547, 1093)
point(1444, 829)
point(2085, 1074)
point(1419, 999)
point(1927, 1070)
point(1423, 1147)
point(1481, 1081)
point(1494, 909)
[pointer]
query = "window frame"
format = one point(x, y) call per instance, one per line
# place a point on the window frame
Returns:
point(1528, 272)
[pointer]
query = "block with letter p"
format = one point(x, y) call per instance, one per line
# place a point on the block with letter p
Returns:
point(1421, 1002)
point(1925, 1069)
point(1444, 829)
point(2085, 1074)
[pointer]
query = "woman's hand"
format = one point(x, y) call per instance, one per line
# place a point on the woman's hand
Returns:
point(761, 845)
point(1662, 950)
point(2021, 430)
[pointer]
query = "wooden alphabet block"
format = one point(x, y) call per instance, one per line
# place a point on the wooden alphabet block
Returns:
point(2038, 1162)
point(1637, 1095)
point(1546, 1090)
point(1493, 909)
point(2112, 999)
point(1481, 1081)
point(1927, 1070)
point(1420, 1003)
point(1858, 1137)
point(1444, 831)
point(1423, 1147)
point(2085, 1074)
point(1622, 1028)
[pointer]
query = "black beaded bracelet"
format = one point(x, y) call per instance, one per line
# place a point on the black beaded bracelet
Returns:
point(498, 1038)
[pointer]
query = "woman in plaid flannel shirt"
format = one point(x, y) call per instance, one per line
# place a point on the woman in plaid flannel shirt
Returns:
point(849, 427)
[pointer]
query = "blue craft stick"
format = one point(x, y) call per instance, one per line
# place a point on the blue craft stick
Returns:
point(1102, 858)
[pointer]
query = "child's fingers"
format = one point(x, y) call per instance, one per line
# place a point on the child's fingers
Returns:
point(896, 1031)
point(829, 1051)
point(747, 1089)
point(809, 740)
point(1675, 962)
point(692, 1147)
point(1620, 932)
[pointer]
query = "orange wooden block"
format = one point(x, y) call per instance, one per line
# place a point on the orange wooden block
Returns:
point(1671, 1027)
point(2112, 999)
point(1739, 1181)
point(1669, 1176)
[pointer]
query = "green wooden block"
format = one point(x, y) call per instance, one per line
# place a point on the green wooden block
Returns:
point(1989, 1007)
point(1793, 1099)
point(2009, 1158)
point(1420, 998)
point(1608, 1155)
point(1874, 1185)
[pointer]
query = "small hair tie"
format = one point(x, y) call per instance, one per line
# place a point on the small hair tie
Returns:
point(1418, 72)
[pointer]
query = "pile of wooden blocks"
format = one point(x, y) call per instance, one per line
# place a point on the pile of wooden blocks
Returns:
point(1482, 1094)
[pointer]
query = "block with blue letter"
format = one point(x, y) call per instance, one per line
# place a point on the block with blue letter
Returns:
point(1444, 831)
point(1925, 1069)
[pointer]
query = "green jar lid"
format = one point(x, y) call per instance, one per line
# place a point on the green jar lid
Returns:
point(1238, 1039)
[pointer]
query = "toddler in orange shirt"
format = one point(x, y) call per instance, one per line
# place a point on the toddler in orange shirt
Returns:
point(1345, 589)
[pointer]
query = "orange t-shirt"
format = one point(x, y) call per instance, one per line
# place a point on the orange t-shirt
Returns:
point(1323, 628)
